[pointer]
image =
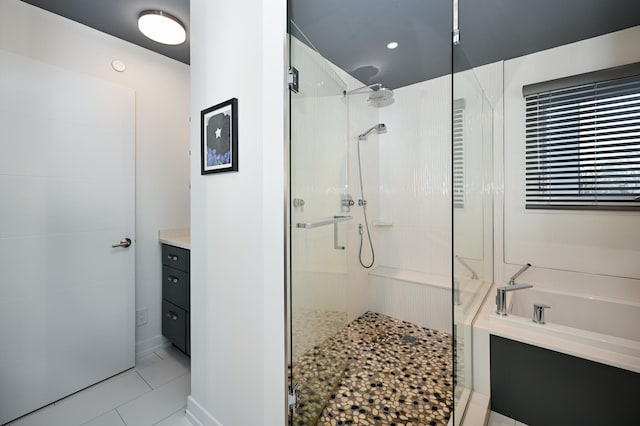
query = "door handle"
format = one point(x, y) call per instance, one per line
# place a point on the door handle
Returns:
point(125, 242)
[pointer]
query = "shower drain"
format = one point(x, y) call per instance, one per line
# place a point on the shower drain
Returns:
point(407, 338)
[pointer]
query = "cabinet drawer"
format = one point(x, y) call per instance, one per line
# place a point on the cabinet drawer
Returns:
point(174, 324)
point(175, 287)
point(175, 257)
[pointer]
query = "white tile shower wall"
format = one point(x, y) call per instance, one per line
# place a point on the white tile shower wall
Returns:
point(415, 178)
point(600, 243)
point(361, 117)
point(162, 125)
point(471, 243)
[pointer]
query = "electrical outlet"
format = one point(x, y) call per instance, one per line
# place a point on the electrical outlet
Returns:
point(142, 316)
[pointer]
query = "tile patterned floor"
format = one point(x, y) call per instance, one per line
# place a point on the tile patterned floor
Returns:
point(377, 371)
point(153, 393)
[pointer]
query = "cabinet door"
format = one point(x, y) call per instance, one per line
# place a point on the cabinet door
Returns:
point(175, 287)
point(174, 324)
point(175, 257)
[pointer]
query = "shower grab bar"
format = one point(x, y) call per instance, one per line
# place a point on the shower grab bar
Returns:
point(328, 221)
point(324, 221)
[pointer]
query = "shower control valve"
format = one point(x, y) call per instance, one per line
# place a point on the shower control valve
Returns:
point(362, 203)
point(346, 202)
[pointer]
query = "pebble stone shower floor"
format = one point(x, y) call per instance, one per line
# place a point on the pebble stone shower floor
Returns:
point(397, 373)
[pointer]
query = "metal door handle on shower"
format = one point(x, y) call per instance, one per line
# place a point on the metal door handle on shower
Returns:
point(322, 222)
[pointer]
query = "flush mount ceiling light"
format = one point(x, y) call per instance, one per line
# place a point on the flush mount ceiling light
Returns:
point(161, 27)
point(392, 45)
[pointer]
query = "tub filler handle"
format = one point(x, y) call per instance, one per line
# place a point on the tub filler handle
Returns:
point(501, 296)
point(538, 312)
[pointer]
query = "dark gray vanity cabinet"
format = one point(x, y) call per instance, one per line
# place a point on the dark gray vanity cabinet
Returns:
point(175, 296)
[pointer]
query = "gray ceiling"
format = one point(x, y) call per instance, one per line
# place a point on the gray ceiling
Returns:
point(353, 33)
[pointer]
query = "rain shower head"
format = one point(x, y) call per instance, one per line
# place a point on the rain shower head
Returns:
point(379, 96)
point(378, 128)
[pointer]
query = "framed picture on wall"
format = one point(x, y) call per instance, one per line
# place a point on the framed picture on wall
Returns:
point(219, 137)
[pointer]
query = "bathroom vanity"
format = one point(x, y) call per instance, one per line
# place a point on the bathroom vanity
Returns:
point(176, 287)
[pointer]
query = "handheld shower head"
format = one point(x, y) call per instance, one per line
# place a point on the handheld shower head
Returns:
point(380, 127)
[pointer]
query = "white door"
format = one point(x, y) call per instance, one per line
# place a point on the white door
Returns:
point(67, 310)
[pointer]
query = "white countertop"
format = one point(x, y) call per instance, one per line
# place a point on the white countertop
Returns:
point(176, 237)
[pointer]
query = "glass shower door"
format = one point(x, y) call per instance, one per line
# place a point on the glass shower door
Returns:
point(318, 231)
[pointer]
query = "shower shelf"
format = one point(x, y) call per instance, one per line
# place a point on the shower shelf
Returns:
point(322, 222)
point(382, 223)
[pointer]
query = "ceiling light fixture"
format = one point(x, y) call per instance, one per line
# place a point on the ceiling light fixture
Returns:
point(162, 27)
point(392, 45)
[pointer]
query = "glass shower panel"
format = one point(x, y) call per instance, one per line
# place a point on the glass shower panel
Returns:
point(318, 230)
point(472, 218)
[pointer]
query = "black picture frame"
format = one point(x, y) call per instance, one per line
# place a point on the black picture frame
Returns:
point(219, 137)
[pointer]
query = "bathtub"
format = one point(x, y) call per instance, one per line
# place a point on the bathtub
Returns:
point(600, 329)
point(588, 350)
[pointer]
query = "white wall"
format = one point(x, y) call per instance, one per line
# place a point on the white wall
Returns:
point(564, 246)
point(162, 112)
point(415, 178)
point(237, 277)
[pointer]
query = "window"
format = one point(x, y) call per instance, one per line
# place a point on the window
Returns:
point(583, 141)
point(458, 153)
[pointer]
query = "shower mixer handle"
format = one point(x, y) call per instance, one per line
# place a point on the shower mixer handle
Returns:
point(346, 202)
point(362, 203)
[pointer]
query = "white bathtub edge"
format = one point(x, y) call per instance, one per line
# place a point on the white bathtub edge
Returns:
point(507, 330)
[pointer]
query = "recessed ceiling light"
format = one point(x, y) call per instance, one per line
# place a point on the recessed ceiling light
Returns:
point(162, 27)
point(392, 45)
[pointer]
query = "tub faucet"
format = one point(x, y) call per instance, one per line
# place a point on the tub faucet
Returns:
point(474, 276)
point(512, 280)
point(501, 296)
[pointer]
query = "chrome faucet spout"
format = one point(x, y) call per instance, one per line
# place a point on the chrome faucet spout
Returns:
point(512, 280)
point(501, 296)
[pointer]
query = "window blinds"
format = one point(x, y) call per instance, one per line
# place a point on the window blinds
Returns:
point(458, 154)
point(583, 142)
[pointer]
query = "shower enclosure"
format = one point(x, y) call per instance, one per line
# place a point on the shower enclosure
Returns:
point(383, 166)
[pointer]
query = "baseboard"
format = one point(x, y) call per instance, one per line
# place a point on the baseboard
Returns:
point(150, 345)
point(198, 416)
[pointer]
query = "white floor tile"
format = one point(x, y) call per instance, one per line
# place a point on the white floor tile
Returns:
point(496, 419)
point(161, 372)
point(172, 352)
point(147, 360)
point(177, 419)
point(111, 418)
point(521, 424)
point(89, 404)
point(158, 404)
